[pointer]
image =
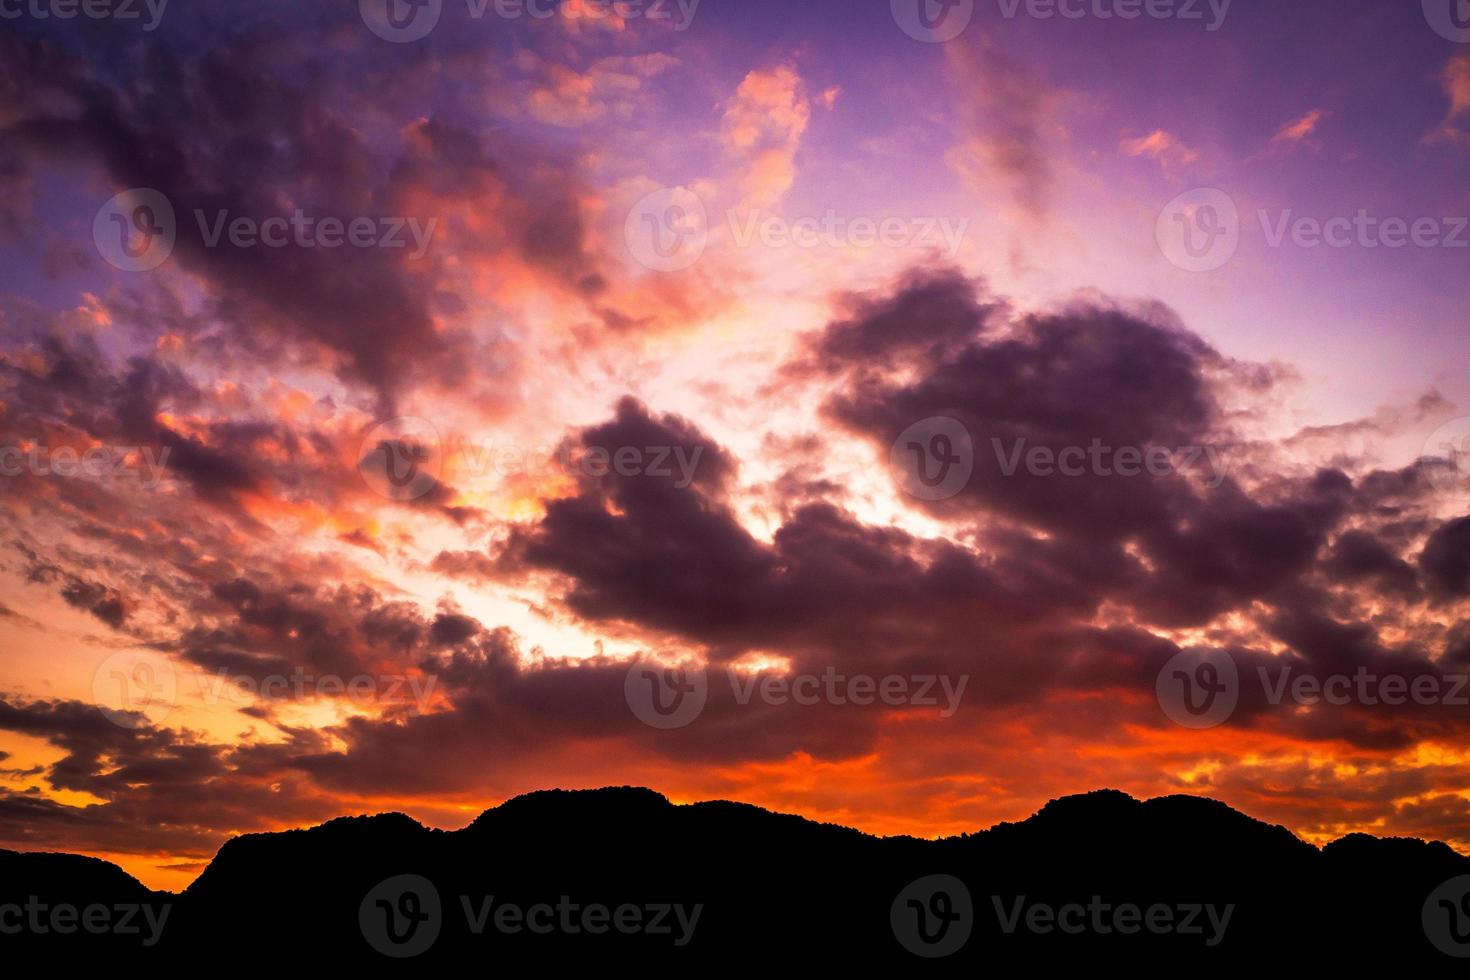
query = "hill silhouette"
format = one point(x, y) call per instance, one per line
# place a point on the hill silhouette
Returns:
point(1101, 878)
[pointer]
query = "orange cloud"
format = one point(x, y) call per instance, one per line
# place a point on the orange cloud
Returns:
point(1455, 79)
point(762, 129)
point(1159, 145)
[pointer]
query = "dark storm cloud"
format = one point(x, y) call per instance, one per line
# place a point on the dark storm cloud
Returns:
point(223, 132)
point(1169, 550)
point(255, 128)
point(1359, 555)
point(1446, 558)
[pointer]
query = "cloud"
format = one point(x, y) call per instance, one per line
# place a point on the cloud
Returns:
point(1011, 120)
point(608, 90)
point(1455, 80)
point(1299, 130)
point(761, 130)
point(1168, 149)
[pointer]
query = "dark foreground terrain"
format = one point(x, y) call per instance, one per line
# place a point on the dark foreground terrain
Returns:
point(621, 877)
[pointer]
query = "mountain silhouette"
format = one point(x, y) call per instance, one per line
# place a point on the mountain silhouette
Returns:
point(622, 876)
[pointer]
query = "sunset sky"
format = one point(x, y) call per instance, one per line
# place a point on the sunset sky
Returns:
point(754, 241)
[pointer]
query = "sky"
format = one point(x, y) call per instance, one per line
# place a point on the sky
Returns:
point(896, 413)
